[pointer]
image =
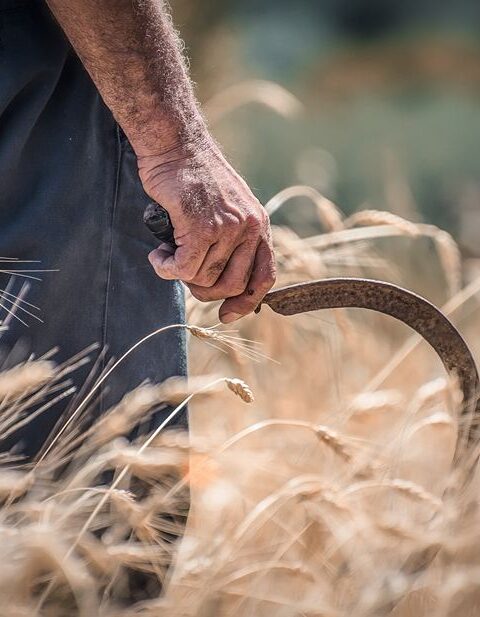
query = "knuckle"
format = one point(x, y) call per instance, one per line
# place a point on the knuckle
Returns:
point(267, 282)
point(214, 271)
point(241, 217)
point(186, 274)
point(163, 272)
point(202, 296)
point(237, 288)
point(266, 229)
point(228, 290)
point(264, 280)
point(269, 276)
point(215, 225)
point(254, 222)
point(195, 294)
point(232, 226)
point(232, 220)
point(207, 294)
point(214, 296)
point(166, 276)
point(209, 276)
point(203, 280)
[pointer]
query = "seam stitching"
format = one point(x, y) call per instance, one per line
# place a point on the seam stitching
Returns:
point(111, 223)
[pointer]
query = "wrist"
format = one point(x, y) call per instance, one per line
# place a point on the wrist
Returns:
point(168, 140)
point(178, 153)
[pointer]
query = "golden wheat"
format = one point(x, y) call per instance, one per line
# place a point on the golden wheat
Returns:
point(324, 496)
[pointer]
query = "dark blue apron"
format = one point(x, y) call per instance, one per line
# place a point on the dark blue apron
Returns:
point(71, 198)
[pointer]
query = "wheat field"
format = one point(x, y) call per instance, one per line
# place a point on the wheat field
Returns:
point(323, 475)
point(320, 473)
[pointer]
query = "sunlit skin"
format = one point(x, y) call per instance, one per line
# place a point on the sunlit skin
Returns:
point(222, 232)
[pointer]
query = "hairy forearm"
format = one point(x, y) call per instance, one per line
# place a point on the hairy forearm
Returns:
point(134, 56)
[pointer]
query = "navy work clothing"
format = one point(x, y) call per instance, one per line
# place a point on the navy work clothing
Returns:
point(70, 197)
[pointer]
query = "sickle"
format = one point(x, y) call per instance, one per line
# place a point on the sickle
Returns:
point(413, 310)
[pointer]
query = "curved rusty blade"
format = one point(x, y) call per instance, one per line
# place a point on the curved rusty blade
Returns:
point(406, 306)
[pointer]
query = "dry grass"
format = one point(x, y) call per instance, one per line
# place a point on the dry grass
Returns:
point(332, 493)
point(336, 488)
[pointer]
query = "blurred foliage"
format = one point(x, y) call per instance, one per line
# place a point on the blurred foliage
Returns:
point(391, 93)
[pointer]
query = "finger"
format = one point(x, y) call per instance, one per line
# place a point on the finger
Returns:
point(214, 263)
point(262, 279)
point(234, 278)
point(183, 264)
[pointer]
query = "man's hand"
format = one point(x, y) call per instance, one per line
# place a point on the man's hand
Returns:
point(221, 230)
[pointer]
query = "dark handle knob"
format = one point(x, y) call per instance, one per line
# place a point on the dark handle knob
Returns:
point(158, 221)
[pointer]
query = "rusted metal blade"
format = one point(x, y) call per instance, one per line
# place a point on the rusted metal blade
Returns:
point(404, 305)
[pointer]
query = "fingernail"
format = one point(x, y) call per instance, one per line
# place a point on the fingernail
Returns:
point(229, 317)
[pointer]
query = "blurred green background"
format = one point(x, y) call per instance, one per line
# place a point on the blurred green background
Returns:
point(390, 93)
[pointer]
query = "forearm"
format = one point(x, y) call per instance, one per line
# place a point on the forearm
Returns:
point(134, 56)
